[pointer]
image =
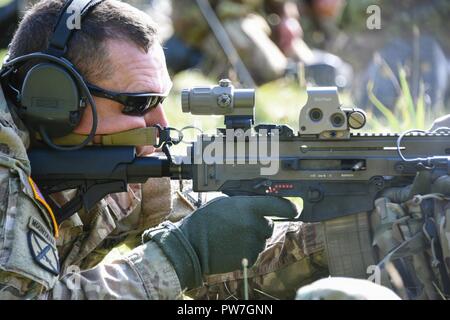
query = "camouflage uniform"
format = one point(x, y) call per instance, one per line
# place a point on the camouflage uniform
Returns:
point(412, 242)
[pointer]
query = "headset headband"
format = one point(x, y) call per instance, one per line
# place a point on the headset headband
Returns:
point(62, 32)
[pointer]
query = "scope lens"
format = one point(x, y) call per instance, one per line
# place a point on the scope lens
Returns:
point(337, 119)
point(185, 100)
point(315, 114)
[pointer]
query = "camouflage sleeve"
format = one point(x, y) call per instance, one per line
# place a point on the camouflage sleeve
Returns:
point(29, 266)
point(144, 273)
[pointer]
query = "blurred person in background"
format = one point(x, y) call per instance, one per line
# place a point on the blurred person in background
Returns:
point(264, 33)
point(321, 19)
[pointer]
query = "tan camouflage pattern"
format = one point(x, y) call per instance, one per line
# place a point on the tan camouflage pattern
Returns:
point(444, 233)
point(441, 218)
point(251, 38)
point(144, 273)
point(14, 166)
point(141, 273)
point(398, 233)
point(187, 11)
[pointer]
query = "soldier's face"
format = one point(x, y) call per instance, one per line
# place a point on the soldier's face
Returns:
point(134, 71)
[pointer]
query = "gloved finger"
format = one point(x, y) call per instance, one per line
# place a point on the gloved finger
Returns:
point(420, 185)
point(397, 195)
point(214, 201)
point(273, 206)
point(264, 228)
point(255, 247)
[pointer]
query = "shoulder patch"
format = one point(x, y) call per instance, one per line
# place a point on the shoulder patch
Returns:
point(40, 198)
point(42, 246)
point(40, 229)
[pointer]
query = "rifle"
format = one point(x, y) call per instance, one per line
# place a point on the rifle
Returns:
point(337, 173)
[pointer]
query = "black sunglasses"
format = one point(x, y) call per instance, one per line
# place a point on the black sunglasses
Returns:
point(134, 103)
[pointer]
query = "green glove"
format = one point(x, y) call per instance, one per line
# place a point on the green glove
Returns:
point(425, 182)
point(216, 237)
point(421, 185)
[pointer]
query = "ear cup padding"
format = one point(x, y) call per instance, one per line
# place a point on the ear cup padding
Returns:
point(50, 98)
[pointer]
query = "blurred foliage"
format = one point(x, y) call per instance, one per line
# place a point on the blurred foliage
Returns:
point(4, 2)
point(2, 54)
point(409, 113)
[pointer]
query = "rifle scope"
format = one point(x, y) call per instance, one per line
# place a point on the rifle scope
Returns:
point(223, 99)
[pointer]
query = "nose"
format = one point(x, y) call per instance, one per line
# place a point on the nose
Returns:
point(156, 116)
point(153, 117)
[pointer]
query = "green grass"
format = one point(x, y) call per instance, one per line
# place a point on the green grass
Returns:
point(4, 2)
point(2, 55)
point(407, 114)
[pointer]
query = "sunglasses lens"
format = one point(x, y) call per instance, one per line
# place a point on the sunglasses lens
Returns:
point(134, 104)
point(141, 105)
point(153, 102)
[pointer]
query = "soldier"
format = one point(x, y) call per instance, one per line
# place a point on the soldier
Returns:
point(115, 49)
point(202, 248)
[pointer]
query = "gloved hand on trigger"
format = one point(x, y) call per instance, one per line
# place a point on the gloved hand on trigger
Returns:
point(216, 237)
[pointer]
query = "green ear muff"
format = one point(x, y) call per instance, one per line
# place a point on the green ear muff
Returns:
point(50, 99)
point(54, 94)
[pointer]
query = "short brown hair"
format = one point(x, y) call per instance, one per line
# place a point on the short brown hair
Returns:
point(109, 20)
